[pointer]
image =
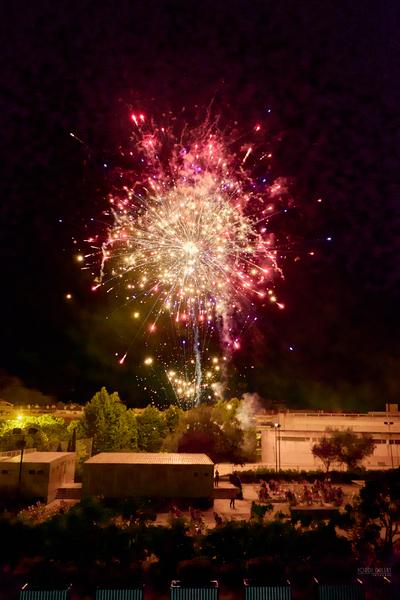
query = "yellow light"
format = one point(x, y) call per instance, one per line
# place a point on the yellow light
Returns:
point(148, 361)
point(68, 296)
point(20, 417)
point(136, 315)
point(79, 258)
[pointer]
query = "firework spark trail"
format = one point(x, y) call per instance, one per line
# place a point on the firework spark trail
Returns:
point(198, 369)
point(190, 231)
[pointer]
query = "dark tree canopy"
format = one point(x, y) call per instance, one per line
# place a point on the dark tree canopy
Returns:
point(345, 447)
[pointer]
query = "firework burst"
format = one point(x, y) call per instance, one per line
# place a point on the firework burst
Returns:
point(190, 232)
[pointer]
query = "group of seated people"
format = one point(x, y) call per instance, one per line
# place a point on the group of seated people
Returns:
point(269, 490)
point(195, 517)
point(320, 492)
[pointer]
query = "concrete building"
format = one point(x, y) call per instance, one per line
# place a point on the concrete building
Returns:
point(151, 475)
point(288, 436)
point(42, 473)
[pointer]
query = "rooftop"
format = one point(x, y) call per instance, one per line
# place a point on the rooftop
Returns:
point(150, 458)
point(36, 457)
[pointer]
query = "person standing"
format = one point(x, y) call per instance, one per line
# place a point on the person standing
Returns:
point(216, 477)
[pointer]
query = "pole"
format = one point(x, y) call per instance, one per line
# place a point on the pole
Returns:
point(389, 423)
point(20, 472)
point(276, 449)
point(21, 443)
point(279, 448)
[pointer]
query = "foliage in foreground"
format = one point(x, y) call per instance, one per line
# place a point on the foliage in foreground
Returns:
point(91, 534)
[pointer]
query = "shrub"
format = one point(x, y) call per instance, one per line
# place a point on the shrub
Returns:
point(198, 570)
point(266, 569)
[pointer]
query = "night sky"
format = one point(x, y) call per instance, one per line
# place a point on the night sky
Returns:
point(324, 79)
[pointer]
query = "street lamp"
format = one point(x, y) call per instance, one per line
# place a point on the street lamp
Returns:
point(389, 423)
point(277, 447)
point(21, 445)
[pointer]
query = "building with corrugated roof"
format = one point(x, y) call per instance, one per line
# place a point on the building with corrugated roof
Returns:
point(148, 474)
point(39, 475)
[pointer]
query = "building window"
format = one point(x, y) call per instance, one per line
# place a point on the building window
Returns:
point(31, 471)
point(4, 472)
point(40, 472)
point(195, 474)
point(285, 438)
point(394, 442)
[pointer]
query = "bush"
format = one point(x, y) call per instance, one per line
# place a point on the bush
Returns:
point(256, 475)
point(266, 569)
point(198, 570)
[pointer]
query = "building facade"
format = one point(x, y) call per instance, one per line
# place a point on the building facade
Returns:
point(38, 476)
point(287, 437)
point(151, 475)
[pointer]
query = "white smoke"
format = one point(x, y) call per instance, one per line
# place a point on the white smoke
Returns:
point(251, 404)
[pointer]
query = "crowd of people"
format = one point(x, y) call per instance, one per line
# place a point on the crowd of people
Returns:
point(320, 492)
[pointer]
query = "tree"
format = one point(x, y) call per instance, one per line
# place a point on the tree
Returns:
point(214, 430)
point(380, 505)
point(345, 447)
point(172, 416)
point(352, 448)
point(152, 429)
point(51, 432)
point(326, 451)
point(107, 421)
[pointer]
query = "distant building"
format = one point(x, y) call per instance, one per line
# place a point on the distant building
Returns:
point(288, 436)
point(41, 475)
point(6, 408)
point(151, 475)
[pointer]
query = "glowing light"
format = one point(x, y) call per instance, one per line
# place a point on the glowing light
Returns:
point(68, 296)
point(148, 361)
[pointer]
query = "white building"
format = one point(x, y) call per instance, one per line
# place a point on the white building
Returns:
point(288, 436)
point(39, 475)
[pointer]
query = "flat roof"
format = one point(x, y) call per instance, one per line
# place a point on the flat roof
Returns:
point(150, 458)
point(36, 457)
